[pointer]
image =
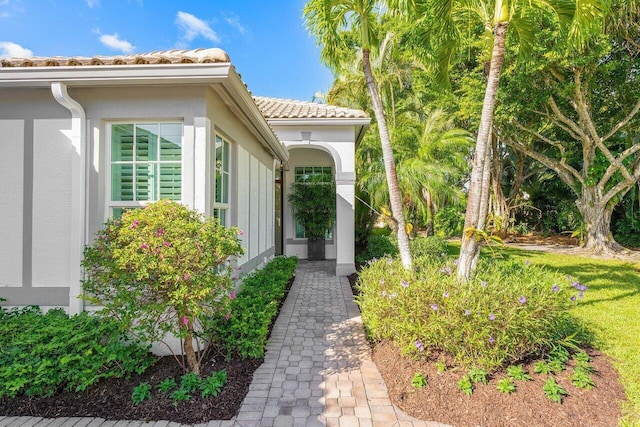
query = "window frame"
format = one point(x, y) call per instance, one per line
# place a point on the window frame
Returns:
point(221, 207)
point(112, 205)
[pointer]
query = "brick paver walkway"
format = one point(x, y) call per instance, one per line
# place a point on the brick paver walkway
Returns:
point(317, 369)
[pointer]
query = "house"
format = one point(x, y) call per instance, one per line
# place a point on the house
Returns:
point(84, 138)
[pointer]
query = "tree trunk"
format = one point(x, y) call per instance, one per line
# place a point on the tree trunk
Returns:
point(470, 249)
point(389, 164)
point(189, 352)
point(596, 217)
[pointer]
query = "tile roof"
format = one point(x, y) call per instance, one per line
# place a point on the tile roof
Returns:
point(274, 108)
point(173, 56)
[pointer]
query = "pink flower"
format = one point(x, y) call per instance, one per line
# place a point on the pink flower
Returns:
point(144, 246)
point(227, 316)
point(167, 244)
point(240, 232)
point(185, 320)
point(160, 231)
point(239, 268)
point(135, 223)
point(232, 295)
point(186, 276)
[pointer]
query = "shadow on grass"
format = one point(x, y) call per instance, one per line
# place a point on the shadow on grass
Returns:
point(619, 277)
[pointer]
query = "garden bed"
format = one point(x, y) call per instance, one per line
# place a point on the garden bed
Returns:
point(441, 400)
point(111, 398)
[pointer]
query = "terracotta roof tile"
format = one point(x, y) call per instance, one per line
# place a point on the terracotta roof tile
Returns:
point(173, 56)
point(274, 108)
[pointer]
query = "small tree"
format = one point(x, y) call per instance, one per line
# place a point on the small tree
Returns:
point(313, 203)
point(159, 270)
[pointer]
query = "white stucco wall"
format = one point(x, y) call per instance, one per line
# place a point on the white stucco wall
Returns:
point(52, 159)
point(11, 201)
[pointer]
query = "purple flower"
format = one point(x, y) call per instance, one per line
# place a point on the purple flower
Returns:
point(445, 270)
point(393, 295)
point(467, 312)
point(568, 277)
point(522, 300)
point(227, 316)
point(581, 295)
point(389, 261)
point(383, 293)
point(581, 287)
point(573, 298)
point(555, 288)
point(456, 261)
point(232, 295)
point(419, 345)
point(483, 284)
point(492, 316)
point(491, 340)
point(446, 295)
point(185, 320)
point(527, 262)
point(434, 307)
point(404, 284)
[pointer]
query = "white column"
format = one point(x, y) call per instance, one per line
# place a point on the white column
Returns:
point(345, 223)
point(201, 171)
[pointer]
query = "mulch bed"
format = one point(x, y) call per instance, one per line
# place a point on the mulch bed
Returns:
point(111, 399)
point(441, 400)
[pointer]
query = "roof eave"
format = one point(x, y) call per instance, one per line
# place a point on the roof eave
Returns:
point(109, 75)
point(241, 95)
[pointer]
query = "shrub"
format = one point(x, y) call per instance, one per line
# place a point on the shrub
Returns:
point(159, 270)
point(449, 222)
point(507, 312)
point(245, 328)
point(378, 246)
point(42, 353)
point(428, 247)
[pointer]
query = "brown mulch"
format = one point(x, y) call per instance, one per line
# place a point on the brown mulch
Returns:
point(111, 399)
point(442, 401)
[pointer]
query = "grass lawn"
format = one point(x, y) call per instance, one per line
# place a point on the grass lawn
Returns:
point(611, 308)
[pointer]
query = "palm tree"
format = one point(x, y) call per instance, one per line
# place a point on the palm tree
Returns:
point(497, 16)
point(328, 21)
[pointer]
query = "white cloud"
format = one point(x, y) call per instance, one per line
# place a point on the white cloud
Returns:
point(93, 3)
point(113, 41)
point(4, 2)
point(234, 21)
point(194, 27)
point(13, 50)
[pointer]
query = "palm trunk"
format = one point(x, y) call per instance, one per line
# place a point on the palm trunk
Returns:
point(470, 249)
point(389, 164)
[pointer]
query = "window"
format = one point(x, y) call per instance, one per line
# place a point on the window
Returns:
point(221, 181)
point(314, 175)
point(145, 164)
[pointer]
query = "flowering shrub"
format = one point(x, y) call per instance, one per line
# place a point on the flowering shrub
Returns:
point(507, 312)
point(159, 270)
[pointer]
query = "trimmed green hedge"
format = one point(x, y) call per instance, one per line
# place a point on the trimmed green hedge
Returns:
point(245, 329)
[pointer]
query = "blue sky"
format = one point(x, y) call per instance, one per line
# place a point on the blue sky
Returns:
point(266, 40)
